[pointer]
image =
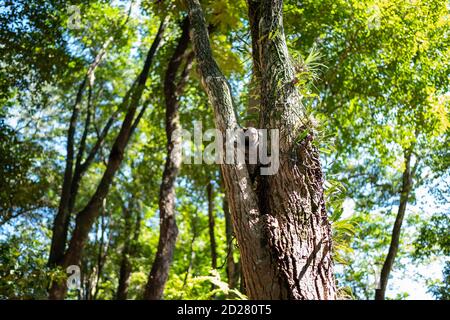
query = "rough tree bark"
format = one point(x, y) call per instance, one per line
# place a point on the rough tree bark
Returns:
point(280, 221)
point(254, 99)
point(407, 184)
point(86, 217)
point(168, 228)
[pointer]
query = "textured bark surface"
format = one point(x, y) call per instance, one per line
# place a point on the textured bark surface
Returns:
point(254, 99)
point(280, 221)
point(168, 229)
point(407, 183)
point(87, 216)
point(297, 226)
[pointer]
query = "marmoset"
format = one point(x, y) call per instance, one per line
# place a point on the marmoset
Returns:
point(251, 151)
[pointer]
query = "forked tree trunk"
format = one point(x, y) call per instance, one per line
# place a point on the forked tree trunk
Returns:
point(407, 183)
point(61, 221)
point(168, 228)
point(87, 216)
point(280, 222)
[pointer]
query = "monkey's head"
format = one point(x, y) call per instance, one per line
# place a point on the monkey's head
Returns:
point(251, 137)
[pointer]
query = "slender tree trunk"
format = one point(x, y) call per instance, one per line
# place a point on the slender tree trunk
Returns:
point(125, 265)
point(100, 253)
point(60, 224)
point(103, 249)
point(233, 268)
point(168, 228)
point(80, 165)
point(129, 250)
point(61, 221)
point(407, 183)
point(211, 225)
point(87, 216)
point(191, 252)
point(280, 221)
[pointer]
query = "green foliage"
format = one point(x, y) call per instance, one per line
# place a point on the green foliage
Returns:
point(202, 288)
point(309, 68)
point(33, 48)
point(385, 88)
point(433, 237)
point(24, 184)
point(343, 229)
point(441, 289)
point(374, 76)
point(23, 271)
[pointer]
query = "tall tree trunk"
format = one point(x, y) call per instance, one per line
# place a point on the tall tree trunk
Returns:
point(103, 248)
point(61, 221)
point(87, 216)
point(191, 251)
point(280, 223)
point(59, 235)
point(125, 265)
point(100, 254)
point(254, 99)
point(129, 250)
point(168, 228)
point(211, 225)
point(407, 183)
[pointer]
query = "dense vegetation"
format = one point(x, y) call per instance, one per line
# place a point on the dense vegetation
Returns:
point(92, 93)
